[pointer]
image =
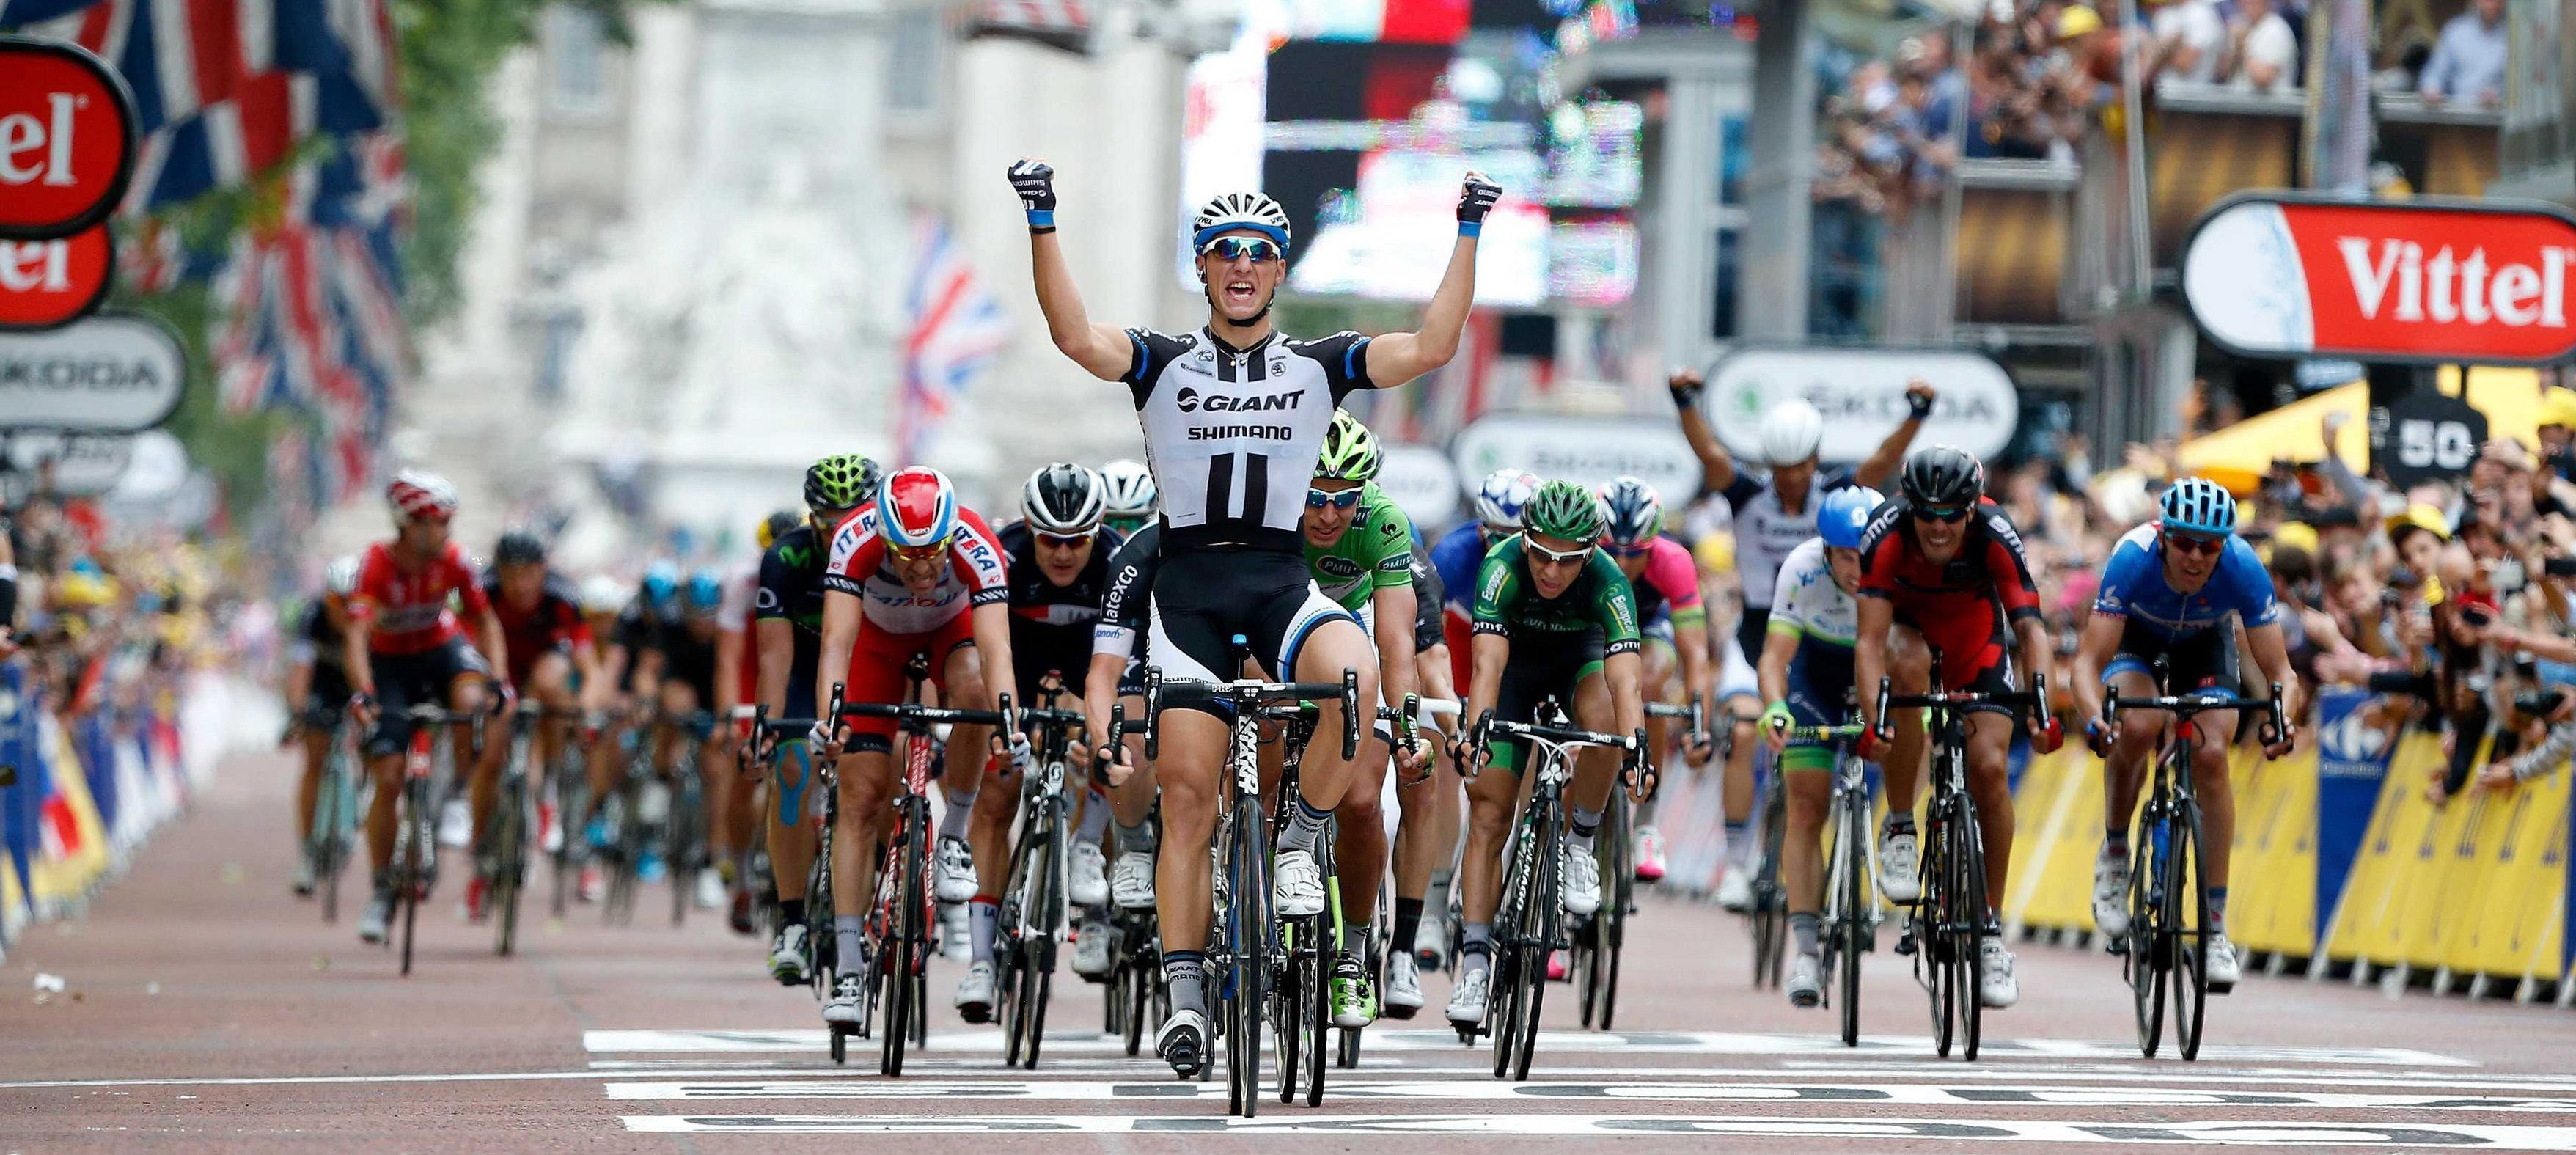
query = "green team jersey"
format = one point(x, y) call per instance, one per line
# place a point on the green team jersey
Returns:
point(1375, 553)
point(1508, 602)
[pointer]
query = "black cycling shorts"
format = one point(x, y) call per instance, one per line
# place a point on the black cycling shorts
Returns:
point(1537, 673)
point(2203, 662)
point(1204, 598)
point(407, 680)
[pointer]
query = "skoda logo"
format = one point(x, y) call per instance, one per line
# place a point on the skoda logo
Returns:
point(1187, 400)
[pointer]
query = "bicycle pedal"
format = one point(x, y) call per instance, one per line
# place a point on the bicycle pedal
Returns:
point(1905, 943)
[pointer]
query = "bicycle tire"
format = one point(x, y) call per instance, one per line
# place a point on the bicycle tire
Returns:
point(407, 889)
point(1050, 925)
point(1503, 984)
point(1622, 897)
point(1288, 1010)
point(680, 838)
point(572, 821)
point(323, 845)
point(1316, 1007)
point(1138, 986)
point(620, 907)
point(1009, 962)
point(1248, 921)
point(909, 938)
point(510, 847)
point(1770, 896)
point(1540, 923)
point(1968, 908)
point(1931, 946)
point(1851, 841)
point(2187, 913)
point(2146, 966)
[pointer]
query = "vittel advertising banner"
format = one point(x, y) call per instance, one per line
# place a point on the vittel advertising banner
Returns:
point(2419, 281)
point(67, 139)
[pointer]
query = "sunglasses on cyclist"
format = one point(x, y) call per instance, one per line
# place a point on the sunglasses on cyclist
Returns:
point(1552, 557)
point(2190, 544)
point(937, 549)
point(1066, 540)
point(1342, 499)
point(1255, 249)
point(1941, 513)
point(1640, 549)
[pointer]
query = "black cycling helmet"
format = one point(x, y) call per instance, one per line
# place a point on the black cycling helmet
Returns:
point(519, 547)
point(1943, 476)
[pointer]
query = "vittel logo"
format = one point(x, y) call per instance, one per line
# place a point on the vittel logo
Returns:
point(2399, 277)
point(40, 151)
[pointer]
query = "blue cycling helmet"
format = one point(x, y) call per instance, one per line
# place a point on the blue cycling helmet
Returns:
point(1635, 514)
point(2198, 505)
point(1500, 498)
point(1844, 515)
point(661, 584)
point(706, 588)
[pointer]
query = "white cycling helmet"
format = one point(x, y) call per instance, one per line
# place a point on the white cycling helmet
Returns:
point(341, 576)
point(1127, 489)
point(602, 594)
point(1500, 499)
point(1062, 498)
point(1228, 212)
point(1791, 432)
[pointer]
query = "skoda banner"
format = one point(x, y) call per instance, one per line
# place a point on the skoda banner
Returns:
point(107, 373)
point(1584, 450)
point(1861, 392)
point(1423, 483)
point(2352, 760)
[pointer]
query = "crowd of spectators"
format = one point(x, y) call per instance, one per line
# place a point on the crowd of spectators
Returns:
point(92, 617)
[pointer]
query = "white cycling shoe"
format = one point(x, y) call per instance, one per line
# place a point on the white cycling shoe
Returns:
point(953, 870)
point(1183, 1042)
point(1806, 981)
point(849, 1004)
point(711, 890)
point(975, 992)
point(2111, 895)
point(1297, 885)
point(1735, 889)
point(1403, 995)
point(1091, 950)
point(2224, 967)
point(1582, 881)
point(1467, 999)
point(1089, 882)
point(1900, 865)
point(1996, 987)
point(1131, 881)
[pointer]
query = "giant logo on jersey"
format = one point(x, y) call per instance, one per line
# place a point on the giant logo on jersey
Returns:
point(1190, 400)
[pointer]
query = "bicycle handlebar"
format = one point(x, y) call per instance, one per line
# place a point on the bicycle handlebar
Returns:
point(1245, 694)
point(2275, 725)
point(2035, 698)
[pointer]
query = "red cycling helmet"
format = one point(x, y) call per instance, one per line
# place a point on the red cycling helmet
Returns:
point(916, 508)
point(416, 494)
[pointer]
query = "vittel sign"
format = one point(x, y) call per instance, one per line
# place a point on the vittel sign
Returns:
point(67, 139)
point(2423, 281)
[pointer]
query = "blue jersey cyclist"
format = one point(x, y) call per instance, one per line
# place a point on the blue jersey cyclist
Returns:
point(1806, 675)
point(2179, 588)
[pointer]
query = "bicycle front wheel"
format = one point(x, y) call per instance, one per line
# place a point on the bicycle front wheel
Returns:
point(1539, 922)
point(1850, 930)
point(1248, 980)
point(413, 878)
point(903, 967)
point(509, 852)
point(325, 845)
point(2147, 964)
point(2186, 912)
point(1932, 946)
point(1967, 915)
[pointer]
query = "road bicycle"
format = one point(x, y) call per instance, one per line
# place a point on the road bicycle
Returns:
point(1247, 947)
point(505, 851)
point(337, 805)
point(1600, 940)
point(900, 918)
point(1949, 924)
point(1031, 922)
point(414, 869)
point(822, 948)
point(568, 847)
point(2165, 954)
point(1848, 925)
point(1529, 921)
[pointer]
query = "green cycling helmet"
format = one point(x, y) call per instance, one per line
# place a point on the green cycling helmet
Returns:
point(1562, 509)
point(1350, 450)
point(841, 481)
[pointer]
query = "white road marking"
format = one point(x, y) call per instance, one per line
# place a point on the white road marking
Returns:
point(1550, 1043)
point(1904, 1094)
point(2267, 1134)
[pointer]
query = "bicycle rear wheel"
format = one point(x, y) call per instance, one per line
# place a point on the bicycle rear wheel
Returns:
point(1967, 905)
point(2147, 964)
point(1290, 1037)
point(1848, 935)
point(325, 846)
point(509, 860)
point(1770, 897)
point(2186, 912)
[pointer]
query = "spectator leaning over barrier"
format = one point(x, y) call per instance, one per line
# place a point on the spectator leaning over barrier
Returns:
point(2468, 62)
point(2262, 53)
point(2191, 36)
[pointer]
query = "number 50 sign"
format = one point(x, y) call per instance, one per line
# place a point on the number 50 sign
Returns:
point(2426, 435)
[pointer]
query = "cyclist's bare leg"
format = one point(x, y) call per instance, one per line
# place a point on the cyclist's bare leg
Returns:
point(1802, 857)
point(1989, 750)
point(1335, 645)
point(2125, 770)
point(387, 770)
point(483, 785)
point(550, 684)
point(793, 779)
point(1191, 770)
point(308, 790)
point(1909, 667)
point(988, 832)
point(968, 746)
point(2216, 795)
point(867, 781)
point(1596, 768)
point(1491, 798)
point(1359, 843)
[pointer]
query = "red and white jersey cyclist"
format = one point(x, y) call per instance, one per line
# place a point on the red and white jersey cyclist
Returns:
point(867, 545)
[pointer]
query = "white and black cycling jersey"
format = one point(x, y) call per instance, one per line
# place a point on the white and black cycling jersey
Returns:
point(1232, 434)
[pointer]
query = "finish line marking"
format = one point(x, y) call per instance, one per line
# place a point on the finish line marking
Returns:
point(1912, 1095)
point(1549, 1042)
point(2266, 1134)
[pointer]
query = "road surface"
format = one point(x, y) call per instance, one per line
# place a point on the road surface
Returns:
point(205, 1009)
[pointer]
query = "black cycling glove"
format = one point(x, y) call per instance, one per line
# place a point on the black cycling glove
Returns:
point(1475, 199)
point(1035, 182)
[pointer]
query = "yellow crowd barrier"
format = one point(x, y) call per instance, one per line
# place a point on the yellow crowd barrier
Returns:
point(2478, 886)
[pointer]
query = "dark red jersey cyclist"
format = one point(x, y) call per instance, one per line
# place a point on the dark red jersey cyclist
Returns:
point(1942, 571)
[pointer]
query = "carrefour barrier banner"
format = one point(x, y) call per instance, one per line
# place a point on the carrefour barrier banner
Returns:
point(2352, 760)
point(17, 803)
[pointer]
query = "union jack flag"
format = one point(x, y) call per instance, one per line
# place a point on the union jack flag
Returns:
point(956, 329)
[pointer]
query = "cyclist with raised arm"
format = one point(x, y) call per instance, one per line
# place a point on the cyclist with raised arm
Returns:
point(1234, 415)
point(1126, 496)
point(548, 644)
point(1807, 677)
point(917, 573)
point(1554, 619)
point(1942, 572)
point(1773, 515)
point(787, 617)
point(2177, 588)
point(1665, 581)
point(405, 646)
point(1057, 555)
point(1359, 546)
point(317, 690)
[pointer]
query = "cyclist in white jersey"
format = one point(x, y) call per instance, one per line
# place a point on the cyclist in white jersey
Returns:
point(1773, 515)
point(1234, 417)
